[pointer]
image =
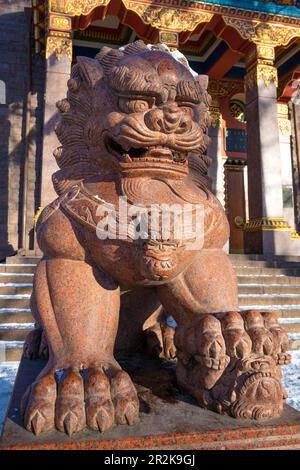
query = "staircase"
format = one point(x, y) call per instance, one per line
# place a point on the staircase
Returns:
point(263, 285)
point(16, 278)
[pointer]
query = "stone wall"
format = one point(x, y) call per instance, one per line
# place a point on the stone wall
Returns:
point(22, 77)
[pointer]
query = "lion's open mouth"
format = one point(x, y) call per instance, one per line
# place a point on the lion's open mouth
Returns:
point(155, 153)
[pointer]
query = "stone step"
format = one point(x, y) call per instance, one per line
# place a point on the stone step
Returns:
point(15, 331)
point(283, 258)
point(268, 279)
point(11, 350)
point(13, 288)
point(16, 278)
point(15, 315)
point(23, 259)
point(254, 301)
point(289, 313)
point(292, 327)
point(17, 268)
point(269, 289)
point(254, 271)
point(14, 301)
point(292, 310)
point(265, 264)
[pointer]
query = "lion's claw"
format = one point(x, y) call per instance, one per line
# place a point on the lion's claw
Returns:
point(95, 398)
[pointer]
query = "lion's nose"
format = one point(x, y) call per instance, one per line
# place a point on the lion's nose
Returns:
point(168, 119)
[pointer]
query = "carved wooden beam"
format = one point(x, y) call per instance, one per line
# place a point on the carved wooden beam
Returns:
point(76, 7)
point(173, 19)
point(224, 88)
point(263, 33)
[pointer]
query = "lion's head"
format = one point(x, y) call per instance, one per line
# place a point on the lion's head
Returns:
point(135, 109)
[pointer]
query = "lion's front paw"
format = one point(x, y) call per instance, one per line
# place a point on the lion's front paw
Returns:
point(234, 369)
point(98, 397)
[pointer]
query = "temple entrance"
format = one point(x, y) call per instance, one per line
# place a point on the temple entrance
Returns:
point(253, 62)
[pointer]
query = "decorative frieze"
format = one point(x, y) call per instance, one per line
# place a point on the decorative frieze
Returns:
point(165, 18)
point(284, 122)
point(261, 72)
point(170, 38)
point(224, 88)
point(59, 35)
point(85, 7)
point(215, 113)
point(59, 44)
point(76, 7)
point(265, 52)
point(262, 32)
point(63, 23)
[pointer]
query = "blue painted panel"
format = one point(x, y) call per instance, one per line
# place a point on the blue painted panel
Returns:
point(196, 66)
point(265, 7)
point(236, 140)
point(236, 72)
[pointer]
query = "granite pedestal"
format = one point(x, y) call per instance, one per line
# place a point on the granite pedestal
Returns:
point(168, 420)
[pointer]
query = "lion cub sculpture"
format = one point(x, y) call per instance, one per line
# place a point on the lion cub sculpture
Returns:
point(133, 128)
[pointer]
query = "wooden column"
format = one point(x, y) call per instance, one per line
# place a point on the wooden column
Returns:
point(216, 170)
point(58, 68)
point(295, 120)
point(266, 225)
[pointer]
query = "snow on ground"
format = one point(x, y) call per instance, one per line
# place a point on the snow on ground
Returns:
point(16, 326)
point(8, 371)
point(291, 381)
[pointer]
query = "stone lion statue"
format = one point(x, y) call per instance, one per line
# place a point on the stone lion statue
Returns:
point(134, 127)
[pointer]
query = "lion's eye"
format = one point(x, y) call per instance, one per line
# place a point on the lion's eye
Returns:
point(133, 106)
point(186, 107)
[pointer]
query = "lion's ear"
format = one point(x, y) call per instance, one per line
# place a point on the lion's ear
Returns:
point(203, 81)
point(90, 69)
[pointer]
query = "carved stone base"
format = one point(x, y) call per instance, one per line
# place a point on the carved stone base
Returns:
point(168, 419)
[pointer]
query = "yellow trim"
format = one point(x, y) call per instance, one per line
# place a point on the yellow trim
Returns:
point(267, 223)
point(37, 214)
point(295, 235)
